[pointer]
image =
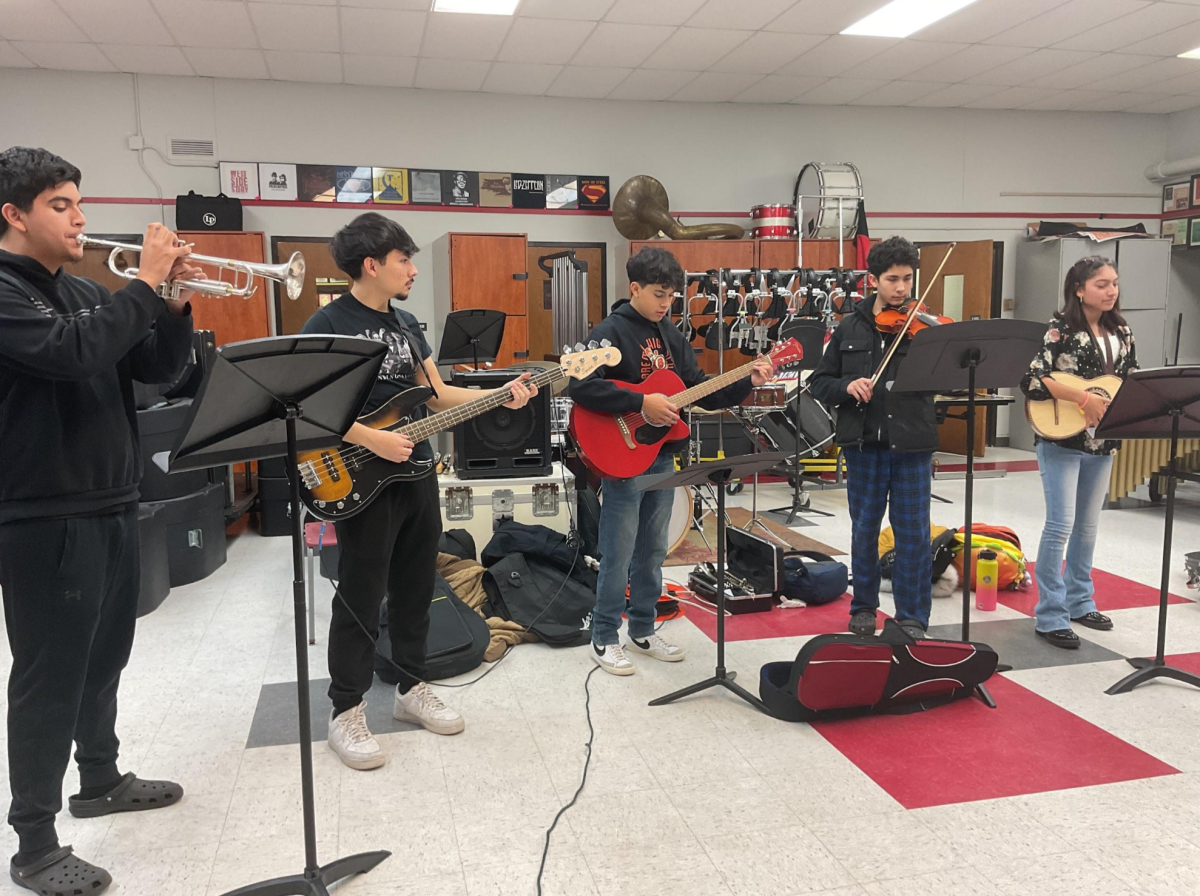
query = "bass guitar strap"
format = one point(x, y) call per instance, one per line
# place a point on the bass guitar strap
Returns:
point(1104, 350)
point(413, 347)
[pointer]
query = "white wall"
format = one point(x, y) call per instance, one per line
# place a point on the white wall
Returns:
point(1182, 135)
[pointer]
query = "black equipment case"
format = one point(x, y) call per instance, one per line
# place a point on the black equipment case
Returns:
point(195, 531)
point(220, 212)
point(458, 638)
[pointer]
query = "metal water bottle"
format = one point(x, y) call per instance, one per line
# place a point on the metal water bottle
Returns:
point(987, 570)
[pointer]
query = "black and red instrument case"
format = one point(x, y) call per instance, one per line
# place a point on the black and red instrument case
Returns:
point(837, 676)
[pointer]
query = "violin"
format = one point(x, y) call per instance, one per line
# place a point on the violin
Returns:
point(893, 320)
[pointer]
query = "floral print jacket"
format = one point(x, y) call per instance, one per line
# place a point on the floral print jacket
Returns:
point(1073, 351)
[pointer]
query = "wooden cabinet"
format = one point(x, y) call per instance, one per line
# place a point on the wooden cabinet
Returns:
point(321, 278)
point(231, 318)
point(484, 270)
point(818, 254)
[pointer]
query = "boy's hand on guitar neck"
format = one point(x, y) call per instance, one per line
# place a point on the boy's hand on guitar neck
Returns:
point(658, 410)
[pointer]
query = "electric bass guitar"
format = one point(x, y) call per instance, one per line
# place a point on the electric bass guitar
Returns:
point(1055, 419)
point(620, 446)
point(337, 483)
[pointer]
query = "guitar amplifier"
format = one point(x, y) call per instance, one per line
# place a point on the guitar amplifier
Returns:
point(503, 442)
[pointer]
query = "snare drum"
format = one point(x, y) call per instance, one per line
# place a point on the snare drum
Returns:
point(818, 189)
point(773, 222)
point(771, 395)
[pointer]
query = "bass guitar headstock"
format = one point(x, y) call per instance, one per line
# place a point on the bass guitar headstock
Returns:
point(584, 360)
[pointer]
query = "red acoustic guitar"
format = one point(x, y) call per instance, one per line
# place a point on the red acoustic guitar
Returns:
point(623, 445)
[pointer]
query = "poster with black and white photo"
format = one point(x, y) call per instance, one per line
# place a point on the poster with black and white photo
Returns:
point(277, 181)
point(460, 188)
point(529, 190)
point(562, 191)
point(425, 187)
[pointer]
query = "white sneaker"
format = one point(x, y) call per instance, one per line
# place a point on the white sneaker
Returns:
point(423, 706)
point(612, 659)
point(350, 738)
point(659, 648)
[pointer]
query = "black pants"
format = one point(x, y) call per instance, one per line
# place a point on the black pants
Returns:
point(70, 606)
point(391, 547)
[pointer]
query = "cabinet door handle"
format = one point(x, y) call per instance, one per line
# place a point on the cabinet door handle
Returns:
point(521, 276)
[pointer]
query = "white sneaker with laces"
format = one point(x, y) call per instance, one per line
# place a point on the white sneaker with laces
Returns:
point(423, 706)
point(659, 648)
point(353, 742)
point(612, 658)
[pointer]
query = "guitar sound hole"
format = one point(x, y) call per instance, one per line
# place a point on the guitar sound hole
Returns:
point(649, 434)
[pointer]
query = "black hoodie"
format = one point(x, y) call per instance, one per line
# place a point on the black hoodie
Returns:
point(69, 352)
point(642, 352)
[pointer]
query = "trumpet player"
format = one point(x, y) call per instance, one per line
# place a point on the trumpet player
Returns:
point(69, 472)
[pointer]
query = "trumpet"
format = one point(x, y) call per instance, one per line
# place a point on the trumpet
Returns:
point(290, 273)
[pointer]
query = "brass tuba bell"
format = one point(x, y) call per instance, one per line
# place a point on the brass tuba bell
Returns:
point(641, 211)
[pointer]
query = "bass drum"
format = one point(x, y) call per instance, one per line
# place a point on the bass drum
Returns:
point(778, 431)
point(682, 504)
point(823, 183)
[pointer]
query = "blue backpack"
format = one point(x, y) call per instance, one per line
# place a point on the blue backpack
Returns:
point(813, 577)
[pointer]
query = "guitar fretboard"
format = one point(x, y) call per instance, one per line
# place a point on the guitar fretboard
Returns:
point(420, 430)
point(709, 386)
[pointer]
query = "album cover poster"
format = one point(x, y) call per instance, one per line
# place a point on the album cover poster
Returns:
point(460, 188)
point(529, 190)
point(239, 180)
point(426, 187)
point(277, 182)
point(317, 183)
point(354, 184)
point(391, 186)
point(593, 192)
point(495, 189)
point(562, 191)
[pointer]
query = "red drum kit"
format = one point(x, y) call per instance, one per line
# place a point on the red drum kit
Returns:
point(773, 222)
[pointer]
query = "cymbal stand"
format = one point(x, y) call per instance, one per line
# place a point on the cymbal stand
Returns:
point(752, 421)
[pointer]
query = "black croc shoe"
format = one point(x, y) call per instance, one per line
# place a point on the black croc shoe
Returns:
point(1098, 621)
point(862, 623)
point(61, 874)
point(132, 794)
point(1063, 637)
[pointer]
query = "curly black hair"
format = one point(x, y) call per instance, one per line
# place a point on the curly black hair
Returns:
point(657, 266)
point(370, 235)
point(25, 173)
point(893, 252)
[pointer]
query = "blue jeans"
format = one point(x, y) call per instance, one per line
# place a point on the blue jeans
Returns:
point(1075, 485)
point(633, 546)
point(879, 479)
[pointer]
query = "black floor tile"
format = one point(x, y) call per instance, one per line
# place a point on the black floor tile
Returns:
point(1017, 645)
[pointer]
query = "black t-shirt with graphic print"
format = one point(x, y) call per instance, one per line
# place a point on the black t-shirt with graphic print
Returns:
point(347, 316)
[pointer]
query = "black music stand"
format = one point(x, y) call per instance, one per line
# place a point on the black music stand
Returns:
point(717, 472)
point(1154, 404)
point(970, 355)
point(472, 335)
point(266, 398)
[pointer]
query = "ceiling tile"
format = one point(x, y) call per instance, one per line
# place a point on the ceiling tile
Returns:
point(1012, 98)
point(1167, 104)
point(1085, 74)
point(70, 57)
point(378, 71)
point(303, 2)
point(525, 78)
point(1172, 43)
point(587, 82)
point(412, 5)
point(984, 19)
point(644, 84)
point(208, 23)
point(838, 91)
point(694, 49)
point(904, 58)
point(1119, 102)
point(456, 35)
point(623, 46)
point(11, 58)
point(1032, 67)
point(1149, 22)
point(956, 95)
point(451, 74)
point(295, 28)
point(1067, 100)
point(382, 32)
point(836, 55)
point(652, 12)
point(547, 41)
point(823, 16)
point(1066, 21)
point(766, 51)
point(777, 89)
point(1189, 83)
point(974, 60)
point(715, 87)
point(286, 65)
point(119, 22)
point(898, 93)
point(587, 10)
point(147, 60)
point(213, 62)
point(1147, 78)
point(36, 20)
point(750, 14)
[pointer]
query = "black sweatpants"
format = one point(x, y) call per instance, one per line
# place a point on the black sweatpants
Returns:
point(390, 547)
point(70, 607)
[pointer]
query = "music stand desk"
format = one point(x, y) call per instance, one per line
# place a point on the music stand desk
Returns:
point(471, 335)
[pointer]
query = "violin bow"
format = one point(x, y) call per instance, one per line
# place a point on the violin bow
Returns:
point(887, 358)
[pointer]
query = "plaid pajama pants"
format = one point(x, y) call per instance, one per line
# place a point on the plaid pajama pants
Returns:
point(879, 479)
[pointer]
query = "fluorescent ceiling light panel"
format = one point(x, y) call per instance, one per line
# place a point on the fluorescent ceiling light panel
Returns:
point(1191, 54)
point(900, 18)
point(483, 7)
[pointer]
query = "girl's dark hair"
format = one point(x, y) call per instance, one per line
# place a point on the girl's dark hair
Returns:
point(370, 235)
point(1072, 311)
point(26, 173)
point(893, 252)
point(657, 266)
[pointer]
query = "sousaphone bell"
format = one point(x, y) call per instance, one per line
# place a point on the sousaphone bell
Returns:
point(641, 211)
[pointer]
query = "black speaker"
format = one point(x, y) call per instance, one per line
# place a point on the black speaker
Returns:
point(502, 442)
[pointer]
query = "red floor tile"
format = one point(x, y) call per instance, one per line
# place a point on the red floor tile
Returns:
point(1112, 593)
point(780, 623)
point(965, 752)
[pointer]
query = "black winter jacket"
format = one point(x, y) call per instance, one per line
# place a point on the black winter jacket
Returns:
point(902, 421)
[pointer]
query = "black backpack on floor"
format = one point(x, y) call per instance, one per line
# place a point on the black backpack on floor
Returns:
point(458, 638)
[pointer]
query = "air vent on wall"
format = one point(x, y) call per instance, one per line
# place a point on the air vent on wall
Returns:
point(191, 151)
